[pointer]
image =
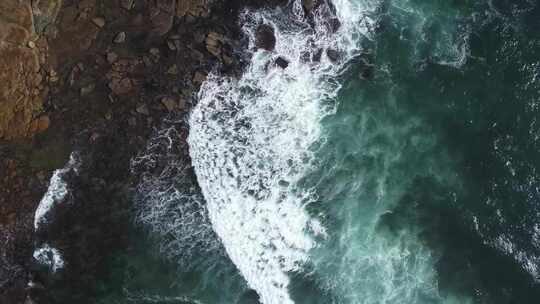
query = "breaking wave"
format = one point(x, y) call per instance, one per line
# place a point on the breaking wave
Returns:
point(252, 139)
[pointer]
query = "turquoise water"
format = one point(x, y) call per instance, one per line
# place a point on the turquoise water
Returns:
point(428, 175)
point(424, 177)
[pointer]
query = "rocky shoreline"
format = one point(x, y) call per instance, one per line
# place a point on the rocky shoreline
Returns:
point(97, 77)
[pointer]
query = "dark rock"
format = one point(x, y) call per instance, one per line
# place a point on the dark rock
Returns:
point(282, 62)
point(127, 4)
point(333, 55)
point(121, 86)
point(213, 43)
point(367, 73)
point(99, 22)
point(308, 4)
point(193, 8)
point(367, 69)
point(249, 297)
point(154, 52)
point(87, 89)
point(334, 24)
point(317, 56)
point(142, 109)
point(199, 77)
point(172, 70)
point(77, 30)
point(171, 45)
point(162, 16)
point(112, 57)
point(227, 59)
point(265, 38)
point(169, 103)
point(120, 37)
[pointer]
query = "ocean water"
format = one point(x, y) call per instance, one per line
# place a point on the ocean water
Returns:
point(313, 184)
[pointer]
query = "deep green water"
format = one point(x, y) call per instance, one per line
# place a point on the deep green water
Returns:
point(429, 175)
point(427, 178)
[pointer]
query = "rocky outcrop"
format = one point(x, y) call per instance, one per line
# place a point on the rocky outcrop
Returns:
point(265, 38)
point(112, 70)
point(21, 90)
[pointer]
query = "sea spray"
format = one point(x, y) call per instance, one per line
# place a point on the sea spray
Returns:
point(56, 192)
point(169, 204)
point(251, 139)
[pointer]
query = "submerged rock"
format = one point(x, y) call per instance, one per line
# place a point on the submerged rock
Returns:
point(333, 55)
point(317, 56)
point(334, 24)
point(367, 73)
point(282, 62)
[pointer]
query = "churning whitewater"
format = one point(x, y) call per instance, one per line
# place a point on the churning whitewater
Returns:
point(252, 139)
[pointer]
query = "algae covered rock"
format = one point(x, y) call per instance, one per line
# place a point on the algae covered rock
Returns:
point(45, 12)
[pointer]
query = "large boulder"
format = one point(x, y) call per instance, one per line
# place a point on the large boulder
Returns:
point(265, 38)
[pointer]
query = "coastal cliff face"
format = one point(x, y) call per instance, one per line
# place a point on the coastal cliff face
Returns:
point(96, 76)
point(22, 53)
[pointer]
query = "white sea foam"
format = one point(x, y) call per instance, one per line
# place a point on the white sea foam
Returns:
point(251, 138)
point(50, 257)
point(170, 205)
point(57, 191)
point(529, 262)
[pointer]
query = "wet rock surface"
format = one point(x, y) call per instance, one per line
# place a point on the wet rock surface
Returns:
point(265, 38)
point(282, 62)
point(98, 77)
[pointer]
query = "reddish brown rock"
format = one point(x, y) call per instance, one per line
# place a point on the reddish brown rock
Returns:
point(40, 124)
point(20, 99)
